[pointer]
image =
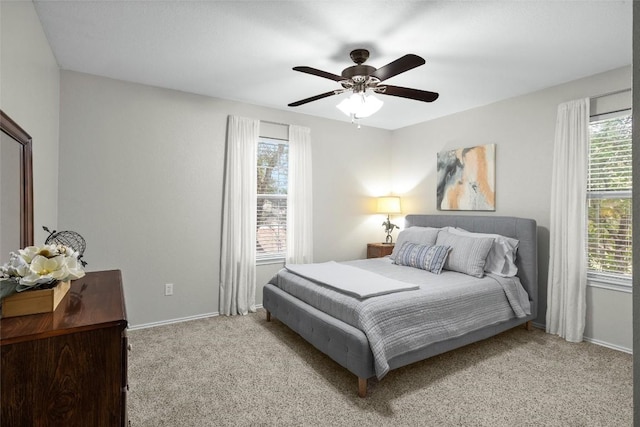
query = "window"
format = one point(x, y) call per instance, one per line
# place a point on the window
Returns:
point(609, 201)
point(273, 166)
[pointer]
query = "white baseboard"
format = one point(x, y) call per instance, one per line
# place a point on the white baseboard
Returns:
point(172, 321)
point(608, 345)
point(179, 320)
point(594, 341)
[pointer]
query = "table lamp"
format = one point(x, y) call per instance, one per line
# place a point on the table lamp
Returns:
point(389, 205)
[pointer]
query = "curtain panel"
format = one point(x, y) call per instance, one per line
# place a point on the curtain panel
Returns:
point(238, 254)
point(567, 281)
point(299, 198)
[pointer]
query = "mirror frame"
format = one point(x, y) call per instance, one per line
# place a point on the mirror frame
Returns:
point(12, 129)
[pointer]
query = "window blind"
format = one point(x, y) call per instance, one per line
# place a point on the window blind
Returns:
point(271, 221)
point(609, 239)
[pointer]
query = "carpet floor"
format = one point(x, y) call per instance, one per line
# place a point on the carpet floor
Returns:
point(239, 371)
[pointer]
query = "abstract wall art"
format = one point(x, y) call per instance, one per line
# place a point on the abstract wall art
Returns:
point(466, 179)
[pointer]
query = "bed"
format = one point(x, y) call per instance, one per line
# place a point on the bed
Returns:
point(368, 341)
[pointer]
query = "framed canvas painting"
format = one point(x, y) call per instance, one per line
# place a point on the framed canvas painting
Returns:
point(466, 179)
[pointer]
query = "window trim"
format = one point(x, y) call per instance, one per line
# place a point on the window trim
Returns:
point(270, 260)
point(609, 281)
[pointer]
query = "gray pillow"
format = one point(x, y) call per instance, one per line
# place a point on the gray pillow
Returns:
point(419, 235)
point(468, 254)
point(501, 259)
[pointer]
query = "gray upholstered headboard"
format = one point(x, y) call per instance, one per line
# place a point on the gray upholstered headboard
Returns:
point(523, 229)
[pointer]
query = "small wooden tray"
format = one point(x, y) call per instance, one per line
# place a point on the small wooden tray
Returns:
point(36, 301)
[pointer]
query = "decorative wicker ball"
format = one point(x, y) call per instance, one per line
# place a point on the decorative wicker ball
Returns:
point(68, 238)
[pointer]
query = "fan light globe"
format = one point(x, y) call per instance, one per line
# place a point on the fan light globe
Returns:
point(360, 105)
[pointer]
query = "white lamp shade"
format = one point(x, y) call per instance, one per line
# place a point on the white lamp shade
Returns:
point(389, 205)
point(360, 105)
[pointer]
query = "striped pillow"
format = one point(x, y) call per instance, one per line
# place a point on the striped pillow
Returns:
point(426, 257)
point(468, 254)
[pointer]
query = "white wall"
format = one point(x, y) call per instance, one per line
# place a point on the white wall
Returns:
point(141, 178)
point(141, 174)
point(142, 168)
point(29, 94)
point(523, 130)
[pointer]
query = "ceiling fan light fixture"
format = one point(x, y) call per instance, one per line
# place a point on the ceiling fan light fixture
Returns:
point(360, 105)
point(361, 78)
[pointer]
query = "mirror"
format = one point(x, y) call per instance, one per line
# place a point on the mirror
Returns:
point(16, 188)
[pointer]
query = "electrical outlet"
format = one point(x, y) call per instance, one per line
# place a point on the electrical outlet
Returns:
point(168, 289)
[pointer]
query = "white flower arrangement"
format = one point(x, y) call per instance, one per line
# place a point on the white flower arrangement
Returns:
point(38, 267)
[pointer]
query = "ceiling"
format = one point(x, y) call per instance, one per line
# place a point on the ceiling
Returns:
point(476, 52)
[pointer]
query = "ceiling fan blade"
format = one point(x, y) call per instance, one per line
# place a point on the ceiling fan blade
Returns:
point(319, 73)
point(398, 66)
point(405, 92)
point(313, 98)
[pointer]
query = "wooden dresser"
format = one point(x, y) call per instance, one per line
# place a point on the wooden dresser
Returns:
point(68, 368)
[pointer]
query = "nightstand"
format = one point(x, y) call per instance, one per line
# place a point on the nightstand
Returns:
point(378, 250)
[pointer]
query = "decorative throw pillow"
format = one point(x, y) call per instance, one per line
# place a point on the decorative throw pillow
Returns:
point(501, 259)
point(420, 235)
point(426, 257)
point(468, 254)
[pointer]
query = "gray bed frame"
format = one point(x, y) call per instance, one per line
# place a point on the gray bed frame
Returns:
point(349, 346)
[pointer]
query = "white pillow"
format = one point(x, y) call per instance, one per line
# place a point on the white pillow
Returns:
point(502, 256)
point(419, 235)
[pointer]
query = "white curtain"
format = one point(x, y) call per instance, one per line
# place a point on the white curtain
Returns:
point(566, 290)
point(299, 198)
point(238, 257)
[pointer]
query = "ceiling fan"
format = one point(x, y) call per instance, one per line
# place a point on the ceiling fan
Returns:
point(361, 78)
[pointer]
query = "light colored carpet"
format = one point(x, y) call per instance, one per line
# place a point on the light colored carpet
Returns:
point(239, 371)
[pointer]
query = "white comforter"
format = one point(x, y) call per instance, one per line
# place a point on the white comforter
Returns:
point(444, 306)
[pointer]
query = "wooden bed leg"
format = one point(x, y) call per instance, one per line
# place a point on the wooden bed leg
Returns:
point(528, 326)
point(268, 316)
point(362, 387)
